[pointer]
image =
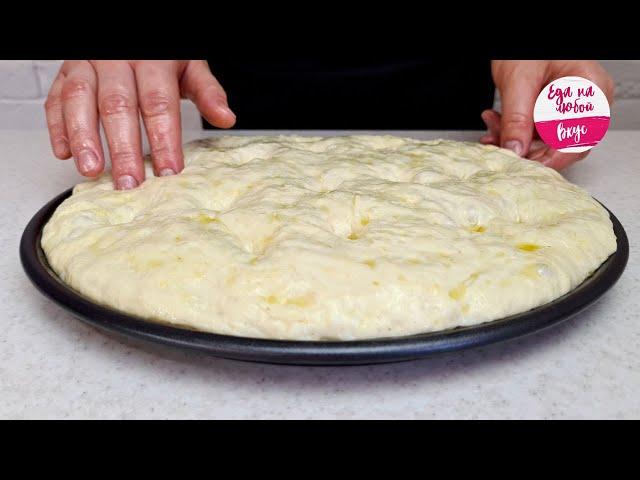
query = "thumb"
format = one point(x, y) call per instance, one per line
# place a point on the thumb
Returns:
point(200, 86)
point(519, 87)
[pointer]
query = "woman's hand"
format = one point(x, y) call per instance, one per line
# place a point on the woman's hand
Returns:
point(116, 93)
point(519, 83)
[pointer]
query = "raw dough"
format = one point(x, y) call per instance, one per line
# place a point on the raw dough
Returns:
point(332, 238)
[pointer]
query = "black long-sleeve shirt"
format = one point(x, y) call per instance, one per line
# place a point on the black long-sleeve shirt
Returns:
point(360, 93)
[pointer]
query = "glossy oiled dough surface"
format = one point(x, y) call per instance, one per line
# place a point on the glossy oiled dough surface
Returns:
point(331, 238)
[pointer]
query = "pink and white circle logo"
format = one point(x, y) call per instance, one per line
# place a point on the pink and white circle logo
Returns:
point(571, 114)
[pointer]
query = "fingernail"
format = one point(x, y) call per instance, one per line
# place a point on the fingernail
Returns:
point(535, 155)
point(165, 172)
point(226, 110)
point(548, 162)
point(514, 145)
point(87, 161)
point(60, 148)
point(126, 182)
point(484, 119)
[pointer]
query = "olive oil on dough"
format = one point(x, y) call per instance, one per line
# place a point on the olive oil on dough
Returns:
point(332, 238)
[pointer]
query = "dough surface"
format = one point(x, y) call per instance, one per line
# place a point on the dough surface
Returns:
point(331, 238)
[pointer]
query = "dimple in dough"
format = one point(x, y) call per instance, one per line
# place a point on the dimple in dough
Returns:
point(331, 238)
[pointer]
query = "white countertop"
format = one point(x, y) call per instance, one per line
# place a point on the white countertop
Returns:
point(54, 366)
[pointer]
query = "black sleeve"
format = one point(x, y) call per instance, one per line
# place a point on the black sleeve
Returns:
point(392, 93)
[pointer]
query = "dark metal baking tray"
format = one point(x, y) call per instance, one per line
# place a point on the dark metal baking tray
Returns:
point(379, 350)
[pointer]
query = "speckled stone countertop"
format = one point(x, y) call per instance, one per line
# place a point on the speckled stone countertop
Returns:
point(54, 366)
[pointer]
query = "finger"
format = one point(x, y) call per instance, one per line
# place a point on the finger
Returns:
point(537, 150)
point(159, 98)
point(519, 84)
point(489, 140)
point(55, 119)
point(118, 106)
point(81, 118)
point(560, 160)
point(491, 119)
point(200, 86)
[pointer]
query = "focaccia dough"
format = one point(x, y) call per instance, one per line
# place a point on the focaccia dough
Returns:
point(336, 238)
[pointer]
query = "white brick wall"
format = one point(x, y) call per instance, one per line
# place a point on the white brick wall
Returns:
point(24, 85)
point(46, 71)
point(23, 88)
point(19, 80)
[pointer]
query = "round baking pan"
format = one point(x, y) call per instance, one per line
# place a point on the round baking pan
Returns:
point(356, 352)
